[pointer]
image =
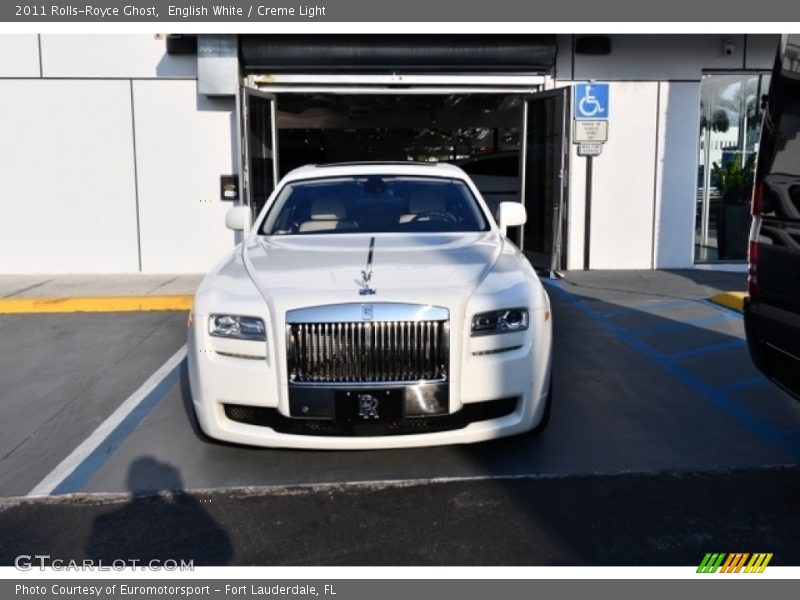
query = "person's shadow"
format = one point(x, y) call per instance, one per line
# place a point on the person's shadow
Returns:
point(164, 525)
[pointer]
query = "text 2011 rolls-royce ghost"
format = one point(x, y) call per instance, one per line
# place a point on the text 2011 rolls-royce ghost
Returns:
point(371, 306)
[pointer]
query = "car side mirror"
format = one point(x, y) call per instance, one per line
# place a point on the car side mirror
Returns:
point(511, 214)
point(237, 218)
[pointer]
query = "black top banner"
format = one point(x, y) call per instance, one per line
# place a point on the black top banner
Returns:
point(441, 11)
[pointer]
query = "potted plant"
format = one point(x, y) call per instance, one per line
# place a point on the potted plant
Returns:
point(735, 185)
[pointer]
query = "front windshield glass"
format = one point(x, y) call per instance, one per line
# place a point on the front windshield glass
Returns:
point(374, 204)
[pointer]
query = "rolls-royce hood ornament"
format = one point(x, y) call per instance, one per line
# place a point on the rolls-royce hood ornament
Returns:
point(366, 275)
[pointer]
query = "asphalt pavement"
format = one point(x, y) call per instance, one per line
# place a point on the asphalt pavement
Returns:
point(664, 441)
point(61, 376)
point(659, 519)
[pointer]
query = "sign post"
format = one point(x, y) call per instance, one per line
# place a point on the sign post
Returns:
point(590, 131)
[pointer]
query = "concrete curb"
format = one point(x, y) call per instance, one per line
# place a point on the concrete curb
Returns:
point(732, 300)
point(16, 306)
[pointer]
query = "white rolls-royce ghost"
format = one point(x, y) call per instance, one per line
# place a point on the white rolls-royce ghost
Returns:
point(371, 305)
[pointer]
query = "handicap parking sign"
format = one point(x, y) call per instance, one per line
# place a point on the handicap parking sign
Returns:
point(591, 101)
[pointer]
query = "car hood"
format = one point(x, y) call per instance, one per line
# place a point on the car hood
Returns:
point(318, 269)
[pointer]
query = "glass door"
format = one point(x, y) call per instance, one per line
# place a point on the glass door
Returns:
point(260, 147)
point(543, 181)
point(730, 124)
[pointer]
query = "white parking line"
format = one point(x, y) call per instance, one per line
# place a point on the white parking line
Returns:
point(67, 466)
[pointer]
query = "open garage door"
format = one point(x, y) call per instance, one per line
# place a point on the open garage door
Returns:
point(466, 129)
point(260, 147)
point(510, 141)
point(543, 169)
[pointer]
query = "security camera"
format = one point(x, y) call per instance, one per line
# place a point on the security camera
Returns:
point(728, 48)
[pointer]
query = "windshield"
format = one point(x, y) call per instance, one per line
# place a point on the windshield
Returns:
point(374, 204)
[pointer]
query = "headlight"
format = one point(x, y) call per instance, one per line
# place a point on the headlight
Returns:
point(500, 321)
point(240, 328)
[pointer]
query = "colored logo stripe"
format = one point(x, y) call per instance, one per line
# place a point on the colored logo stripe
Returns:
point(759, 562)
point(734, 562)
point(711, 563)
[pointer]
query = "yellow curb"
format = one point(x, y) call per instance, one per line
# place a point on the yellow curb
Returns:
point(732, 300)
point(93, 304)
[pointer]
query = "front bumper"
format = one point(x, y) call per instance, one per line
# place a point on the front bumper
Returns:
point(341, 426)
point(526, 415)
point(238, 400)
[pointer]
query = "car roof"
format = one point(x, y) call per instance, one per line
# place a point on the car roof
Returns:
point(430, 169)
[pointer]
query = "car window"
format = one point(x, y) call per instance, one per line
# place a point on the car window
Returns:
point(374, 204)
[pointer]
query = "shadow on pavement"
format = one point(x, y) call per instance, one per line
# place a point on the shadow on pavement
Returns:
point(158, 527)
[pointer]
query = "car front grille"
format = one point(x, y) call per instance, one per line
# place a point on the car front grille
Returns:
point(361, 352)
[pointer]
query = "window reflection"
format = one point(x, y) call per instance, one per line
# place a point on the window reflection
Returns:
point(730, 123)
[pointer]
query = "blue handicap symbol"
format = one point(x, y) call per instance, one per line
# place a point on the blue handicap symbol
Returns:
point(591, 101)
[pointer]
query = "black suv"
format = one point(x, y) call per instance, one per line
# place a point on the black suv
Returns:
point(772, 310)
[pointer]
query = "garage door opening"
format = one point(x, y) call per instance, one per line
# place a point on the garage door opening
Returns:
point(510, 143)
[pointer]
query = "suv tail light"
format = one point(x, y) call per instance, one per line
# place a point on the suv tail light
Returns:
point(753, 289)
point(758, 194)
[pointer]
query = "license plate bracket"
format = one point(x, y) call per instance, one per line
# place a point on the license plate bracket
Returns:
point(369, 406)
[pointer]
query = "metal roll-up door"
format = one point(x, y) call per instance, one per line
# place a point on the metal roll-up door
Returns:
point(390, 53)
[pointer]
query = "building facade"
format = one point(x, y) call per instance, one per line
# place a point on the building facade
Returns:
point(112, 147)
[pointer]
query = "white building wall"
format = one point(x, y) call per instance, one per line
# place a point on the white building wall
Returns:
point(624, 179)
point(112, 56)
point(72, 203)
point(761, 51)
point(644, 183)
point(183, 143)
point(66, 162)
point(676, 174)
point(20, 55)
point(82, 192)
point(661, 57)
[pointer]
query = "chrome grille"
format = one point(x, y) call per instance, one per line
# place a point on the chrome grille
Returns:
point(360, 352)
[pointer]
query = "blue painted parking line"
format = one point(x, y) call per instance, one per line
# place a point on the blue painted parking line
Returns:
point(747, 383)
point(718, 397)
point(709, 349)
point(677, 325)
point(648, 307)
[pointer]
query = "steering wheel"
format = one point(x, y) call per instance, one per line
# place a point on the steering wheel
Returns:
point(434, 215)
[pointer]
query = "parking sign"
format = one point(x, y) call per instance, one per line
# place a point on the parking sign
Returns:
point(591, 101)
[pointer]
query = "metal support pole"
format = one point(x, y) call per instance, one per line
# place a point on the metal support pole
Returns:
point(587, 226)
